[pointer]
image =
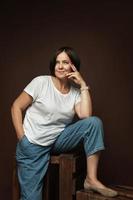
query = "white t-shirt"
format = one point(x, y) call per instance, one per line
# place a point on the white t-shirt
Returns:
point(50, 111)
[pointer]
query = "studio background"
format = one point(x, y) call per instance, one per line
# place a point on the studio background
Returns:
point(101, 32)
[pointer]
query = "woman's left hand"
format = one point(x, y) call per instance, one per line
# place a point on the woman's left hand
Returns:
point(75, 76)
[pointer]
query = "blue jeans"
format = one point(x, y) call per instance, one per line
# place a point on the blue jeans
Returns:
point(33, 159)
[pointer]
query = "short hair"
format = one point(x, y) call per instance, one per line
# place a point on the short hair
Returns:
point(71, 54)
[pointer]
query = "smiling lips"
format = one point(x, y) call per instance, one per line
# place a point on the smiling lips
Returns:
point(62, 72)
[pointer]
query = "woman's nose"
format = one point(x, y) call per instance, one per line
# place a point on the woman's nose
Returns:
point(60, 65)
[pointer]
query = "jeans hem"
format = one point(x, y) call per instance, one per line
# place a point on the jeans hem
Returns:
point(95, 150)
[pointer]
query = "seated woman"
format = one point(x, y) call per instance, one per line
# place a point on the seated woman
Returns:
point(50, 102)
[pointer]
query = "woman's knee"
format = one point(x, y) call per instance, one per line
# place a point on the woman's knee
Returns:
point(94, 120)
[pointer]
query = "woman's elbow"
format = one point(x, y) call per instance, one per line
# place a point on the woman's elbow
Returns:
point(85, 115)
point(14, 107)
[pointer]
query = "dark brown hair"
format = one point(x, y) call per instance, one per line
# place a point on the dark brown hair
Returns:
point(71, 54)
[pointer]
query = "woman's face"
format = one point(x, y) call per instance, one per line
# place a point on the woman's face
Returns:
point(63, 65)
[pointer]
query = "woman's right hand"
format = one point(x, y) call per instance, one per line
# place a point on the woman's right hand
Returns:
point(20, 137)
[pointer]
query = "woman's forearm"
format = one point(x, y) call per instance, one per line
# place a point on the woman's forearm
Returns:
point(85, 104)
point(16, 113)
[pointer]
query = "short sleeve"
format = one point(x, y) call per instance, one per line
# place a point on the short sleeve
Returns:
point(34, 87)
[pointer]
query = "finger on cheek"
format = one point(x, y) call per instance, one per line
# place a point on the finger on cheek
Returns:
point(73, 68)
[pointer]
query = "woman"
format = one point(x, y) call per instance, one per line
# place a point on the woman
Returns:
point(51, 103)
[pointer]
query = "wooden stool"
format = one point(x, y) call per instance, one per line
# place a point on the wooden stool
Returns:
point(125, 193)
point(65, 175)
point(70, 176)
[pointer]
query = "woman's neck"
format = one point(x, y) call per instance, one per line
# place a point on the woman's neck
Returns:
point(62, 85)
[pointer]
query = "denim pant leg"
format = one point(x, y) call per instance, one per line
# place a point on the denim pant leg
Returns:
point(32, 161)
point(89, 131)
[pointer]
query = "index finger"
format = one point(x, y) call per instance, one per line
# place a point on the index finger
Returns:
point(73, 68)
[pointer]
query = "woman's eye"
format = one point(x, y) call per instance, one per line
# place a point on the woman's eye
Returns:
point(65, 62)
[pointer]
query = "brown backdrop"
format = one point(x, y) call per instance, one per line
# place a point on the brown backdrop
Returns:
point(102, 35)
